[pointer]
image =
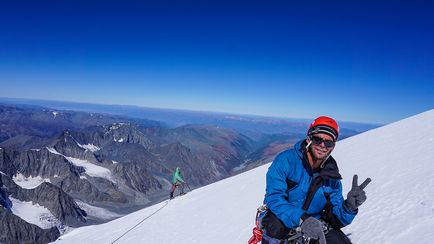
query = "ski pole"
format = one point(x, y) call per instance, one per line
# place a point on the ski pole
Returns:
point(188, 186)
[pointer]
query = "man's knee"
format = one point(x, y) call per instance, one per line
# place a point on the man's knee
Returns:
point(337, 237)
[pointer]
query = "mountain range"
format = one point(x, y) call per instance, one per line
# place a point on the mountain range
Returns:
point(81, 168)
point(399, 206)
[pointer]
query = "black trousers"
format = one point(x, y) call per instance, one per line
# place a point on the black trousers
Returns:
point(337, 237)
point(275, 228)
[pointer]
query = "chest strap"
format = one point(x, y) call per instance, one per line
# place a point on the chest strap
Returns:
point(314, 186)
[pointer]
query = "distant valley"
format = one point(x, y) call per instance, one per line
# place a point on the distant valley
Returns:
point(97, 166)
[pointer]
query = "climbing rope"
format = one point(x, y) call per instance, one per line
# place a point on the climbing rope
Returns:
point(147, 217)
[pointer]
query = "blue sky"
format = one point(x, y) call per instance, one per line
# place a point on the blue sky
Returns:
point(354, 60)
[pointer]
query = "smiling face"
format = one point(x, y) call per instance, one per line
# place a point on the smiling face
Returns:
point(318, 149)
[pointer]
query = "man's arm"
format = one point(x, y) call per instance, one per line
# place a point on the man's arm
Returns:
point(276, 196)
point(179, 177)
point(340, 215)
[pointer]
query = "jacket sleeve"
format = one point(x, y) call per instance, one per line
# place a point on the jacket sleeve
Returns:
point(339, 210)
point(179, 177)
point(276, 196)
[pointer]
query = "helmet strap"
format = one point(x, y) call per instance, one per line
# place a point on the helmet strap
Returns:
point(308, 144)
point(325, 159)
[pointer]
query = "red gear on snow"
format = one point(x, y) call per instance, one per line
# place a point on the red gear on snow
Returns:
point(257, 236)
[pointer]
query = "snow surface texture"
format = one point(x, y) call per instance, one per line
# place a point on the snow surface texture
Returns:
point(400, 160)
point(28, 182)
point(34, 214)
point(400, 208)
point(90, 168)
point(101, 213)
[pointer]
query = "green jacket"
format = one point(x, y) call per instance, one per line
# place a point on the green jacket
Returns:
point(177, 176)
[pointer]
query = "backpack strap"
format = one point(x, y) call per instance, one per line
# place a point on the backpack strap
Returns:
point(314, 186)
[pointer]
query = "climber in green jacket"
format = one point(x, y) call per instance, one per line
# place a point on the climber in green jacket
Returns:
point(177, 180)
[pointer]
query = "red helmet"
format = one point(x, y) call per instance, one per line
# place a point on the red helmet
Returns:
point(324, 124)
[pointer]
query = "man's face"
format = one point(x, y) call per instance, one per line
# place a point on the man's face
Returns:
point(322, 145)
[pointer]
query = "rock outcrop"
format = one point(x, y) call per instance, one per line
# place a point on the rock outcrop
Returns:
point(60, 204)
point(15, 230)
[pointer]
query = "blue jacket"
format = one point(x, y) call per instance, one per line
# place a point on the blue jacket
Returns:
point(288, 183)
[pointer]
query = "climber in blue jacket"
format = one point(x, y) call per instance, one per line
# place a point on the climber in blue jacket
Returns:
point(304, 190)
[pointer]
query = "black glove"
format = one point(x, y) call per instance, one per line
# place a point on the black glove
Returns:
point(356, 196)
point(313, 228)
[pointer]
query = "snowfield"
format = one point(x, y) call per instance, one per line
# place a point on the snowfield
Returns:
point(28, 182)
point(34, 213)
point(98, 212)
point(91, 169)
point(400, 160)
point(400, 208)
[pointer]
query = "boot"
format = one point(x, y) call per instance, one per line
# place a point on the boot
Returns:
point(171, 195)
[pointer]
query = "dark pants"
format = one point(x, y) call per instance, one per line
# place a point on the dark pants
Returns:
point(337, 237)
point(174, 186)
point(275, 228)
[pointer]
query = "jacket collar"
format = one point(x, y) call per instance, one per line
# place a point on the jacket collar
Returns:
point(330, 169)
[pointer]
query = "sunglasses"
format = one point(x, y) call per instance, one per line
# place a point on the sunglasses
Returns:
point(318, 140)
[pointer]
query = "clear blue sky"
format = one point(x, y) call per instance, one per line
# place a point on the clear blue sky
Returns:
point(354, 60)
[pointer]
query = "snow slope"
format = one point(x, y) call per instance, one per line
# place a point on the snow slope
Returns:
point(98, 212)
point(400, 160)
point(90, 168)
point(400, 208)
point(34, 213)
point(28, 182)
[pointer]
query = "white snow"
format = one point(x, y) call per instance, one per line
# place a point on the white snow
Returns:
point(89, 147)
point(98, 212)
point(28, 182)
point(55, 114)
point(116, 126)
point(214, 168)
point(118, 140)
point(399, 158)
point(115, 162)
point(242, 166)
point(225, 209)
point(33, 214)
point(54, 151)
point(91, 169)
point(400, 208)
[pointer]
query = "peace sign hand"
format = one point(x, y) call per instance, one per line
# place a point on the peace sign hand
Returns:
point(356, 196)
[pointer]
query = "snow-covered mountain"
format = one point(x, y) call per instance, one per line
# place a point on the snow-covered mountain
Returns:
point(62, 169)
point(398, 157)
